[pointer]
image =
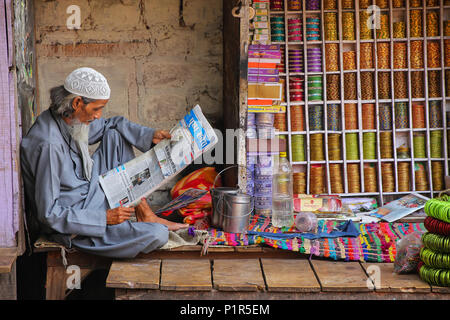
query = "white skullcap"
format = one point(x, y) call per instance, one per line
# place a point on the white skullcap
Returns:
point(88, 83)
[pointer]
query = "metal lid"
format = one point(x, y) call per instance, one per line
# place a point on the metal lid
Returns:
point(238, 198)
point(224, 190)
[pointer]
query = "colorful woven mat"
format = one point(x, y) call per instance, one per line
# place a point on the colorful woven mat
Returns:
point(376, 242)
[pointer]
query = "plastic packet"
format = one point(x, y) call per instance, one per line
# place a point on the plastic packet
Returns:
point(318, 203)
point(306, 222)
point(408, 249)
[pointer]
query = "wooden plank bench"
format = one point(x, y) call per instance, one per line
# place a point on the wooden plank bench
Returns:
point(215, 276)
point(57, 275)
point(247, 272)
point(56, 287)
point(7, 258)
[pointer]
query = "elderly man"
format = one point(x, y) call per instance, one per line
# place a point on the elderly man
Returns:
point(61, 178)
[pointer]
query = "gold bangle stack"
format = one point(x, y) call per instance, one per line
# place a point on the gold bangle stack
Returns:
point(334, 146)
point(399, 29)
point(366, 55)
point(432, 24)
point(367, 86)
point(317, 147)
point(386, 145)
point(336, 184)
point(280, 121)
point(353, 178)
point(387, 177)
point(383, 31)
point(332, 56)
point(434, 84)
point(316, 182)
point(415, 24)
point(348, 25)
point(401, 85)
point(383, 55)
point(382, 4)
point(433, 54)
point(365, 33)
point(349, 60)
point(370, 177)
point(416, 54)
point(368, 120)
point(330, 4)
point(418, 116)
point(400, 54)
point(447, 52)
point(384, 85)
point(417, 83)
point(364, 4)
point(437, 170)
point(351, 116)
point(333, 87)
point(348, 4)
point(299, 182)
point(350, 86)
point(297, 118)
point(403, 176)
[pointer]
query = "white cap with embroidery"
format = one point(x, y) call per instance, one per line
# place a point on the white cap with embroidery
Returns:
point(88, 83)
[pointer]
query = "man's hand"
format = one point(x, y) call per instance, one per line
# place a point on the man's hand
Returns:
point(118, 215)
point(160, 135)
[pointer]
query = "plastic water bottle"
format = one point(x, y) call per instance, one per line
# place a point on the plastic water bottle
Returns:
point(282, 194)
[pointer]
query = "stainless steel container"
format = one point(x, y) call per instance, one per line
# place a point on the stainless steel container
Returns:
point(237, 209)
point(218, 206)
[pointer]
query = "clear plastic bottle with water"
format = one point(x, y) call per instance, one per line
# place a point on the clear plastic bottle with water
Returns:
point(282, 193)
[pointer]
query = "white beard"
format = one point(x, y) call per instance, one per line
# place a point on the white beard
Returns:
point(80, 134)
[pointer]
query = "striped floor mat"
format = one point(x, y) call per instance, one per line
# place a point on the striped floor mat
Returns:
point(375, 243)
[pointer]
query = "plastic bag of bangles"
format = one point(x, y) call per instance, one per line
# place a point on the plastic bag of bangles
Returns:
point(407, 257)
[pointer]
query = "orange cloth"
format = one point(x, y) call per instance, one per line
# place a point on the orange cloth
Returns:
point(200, 179)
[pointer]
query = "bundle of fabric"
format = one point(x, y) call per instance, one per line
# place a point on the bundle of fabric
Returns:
point(434, 267)
point(375, 242)
point(198, 212)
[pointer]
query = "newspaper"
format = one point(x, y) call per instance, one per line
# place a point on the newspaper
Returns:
point(192, 136)
point(400, 208)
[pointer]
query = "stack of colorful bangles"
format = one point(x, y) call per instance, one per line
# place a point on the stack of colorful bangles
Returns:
point(434, 267)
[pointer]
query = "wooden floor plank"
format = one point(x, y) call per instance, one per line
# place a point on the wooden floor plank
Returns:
point(293, 275)
point(340, 276)
point(134, 273)
point(386, 280)
point(440, 289)
point(186, 274)
point(237, 275)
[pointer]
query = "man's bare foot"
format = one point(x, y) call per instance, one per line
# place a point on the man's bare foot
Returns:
point(145, 214)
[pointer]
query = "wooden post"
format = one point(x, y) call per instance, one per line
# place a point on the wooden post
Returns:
point(8, 179)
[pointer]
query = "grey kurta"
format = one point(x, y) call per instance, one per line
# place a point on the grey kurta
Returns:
point(72, 210)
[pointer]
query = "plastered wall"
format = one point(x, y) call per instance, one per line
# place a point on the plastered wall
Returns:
point(160, 57)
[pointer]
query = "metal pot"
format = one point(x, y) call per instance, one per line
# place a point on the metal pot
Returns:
point(237, 212)
point(218, 207)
